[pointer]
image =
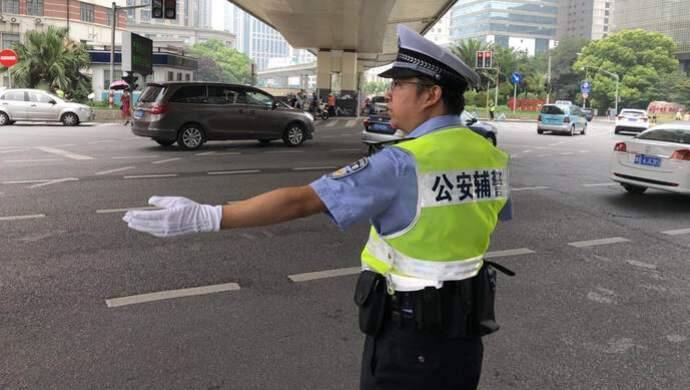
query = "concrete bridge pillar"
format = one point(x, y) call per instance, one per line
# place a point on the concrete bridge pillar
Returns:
point(337, 73)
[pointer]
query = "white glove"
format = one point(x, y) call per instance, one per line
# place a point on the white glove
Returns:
point(179, 216)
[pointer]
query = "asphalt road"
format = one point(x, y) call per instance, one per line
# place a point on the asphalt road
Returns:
point(601, 299)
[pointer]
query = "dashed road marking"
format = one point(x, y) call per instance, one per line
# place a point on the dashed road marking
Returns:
point(351, 123)
point(508, 252)
point(205, 154)
point(34, 160)
point(150, 176)
point(676, 232)
point(110, 211)
point(101, 141)
point(529, 188)
point(171, 294)
point(21, 217)
point(64, 153)
point(167, 160)
point(609, 184)
point(26, 181)
point(114, 170)
point(601, 241)
point(54, 181)
point(234, 172)
point(331, 124)
point(313, 168)
point(305, 277)
point(133, 157)
point(12, 151)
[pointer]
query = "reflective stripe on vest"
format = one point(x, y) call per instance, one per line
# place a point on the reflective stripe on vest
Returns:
point(462, 184)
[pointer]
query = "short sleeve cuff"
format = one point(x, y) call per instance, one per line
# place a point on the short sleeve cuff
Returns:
point(337, 211)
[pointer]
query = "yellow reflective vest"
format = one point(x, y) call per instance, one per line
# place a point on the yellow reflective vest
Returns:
point(462, 185)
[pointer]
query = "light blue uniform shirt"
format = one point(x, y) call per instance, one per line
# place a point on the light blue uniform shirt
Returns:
point(383, 191)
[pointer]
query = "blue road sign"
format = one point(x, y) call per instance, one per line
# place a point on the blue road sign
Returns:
point(516, 78)
point(586, 87)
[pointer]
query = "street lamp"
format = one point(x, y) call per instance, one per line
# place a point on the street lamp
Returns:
point(614, 75)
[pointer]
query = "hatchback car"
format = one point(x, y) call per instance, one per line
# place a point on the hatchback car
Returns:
point(37, 105)
point(657, 158)
point(191, 113)
point(631, 120)
point(378, 131)
point(561, 118)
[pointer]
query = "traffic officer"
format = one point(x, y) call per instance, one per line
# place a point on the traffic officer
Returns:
point(433, 201)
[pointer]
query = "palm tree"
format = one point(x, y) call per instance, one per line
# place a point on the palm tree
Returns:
point(51, 60)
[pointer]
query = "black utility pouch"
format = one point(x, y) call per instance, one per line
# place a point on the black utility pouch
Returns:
point(370, 297)
point(483, 318)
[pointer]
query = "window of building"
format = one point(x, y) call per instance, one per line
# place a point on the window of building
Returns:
point(34, 7)
point(187, 77)
point(86, 14)
point(8, 39)
point(10, 6)
point(171, 76)
point(179, 76)
point(146, 16)
point(106, 77)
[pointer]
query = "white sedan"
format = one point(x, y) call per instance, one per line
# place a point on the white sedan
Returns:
point(657, 158)
point(631, 120)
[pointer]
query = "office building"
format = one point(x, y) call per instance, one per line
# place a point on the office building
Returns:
point(591, 19)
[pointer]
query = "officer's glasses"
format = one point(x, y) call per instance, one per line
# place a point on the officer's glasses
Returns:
point(397, 83)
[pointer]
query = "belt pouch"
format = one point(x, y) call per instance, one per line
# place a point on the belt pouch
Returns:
point(484, 296)
point(370, 297)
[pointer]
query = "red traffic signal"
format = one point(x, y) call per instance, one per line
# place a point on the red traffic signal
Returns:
point(480, 60)
point(488, 59)
point(170, 9)
point(157, 9)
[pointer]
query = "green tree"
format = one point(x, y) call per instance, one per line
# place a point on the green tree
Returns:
point(643, 60)
point(375, 87)
point(235, 66)
point(50, 60)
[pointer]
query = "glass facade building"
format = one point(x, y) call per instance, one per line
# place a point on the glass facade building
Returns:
point(670, 17)
point(591, 19)
point(528, 25)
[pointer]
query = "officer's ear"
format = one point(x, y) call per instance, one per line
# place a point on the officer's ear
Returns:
point(433, 96)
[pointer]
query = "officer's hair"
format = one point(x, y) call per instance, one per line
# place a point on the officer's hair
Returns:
point(453, 97)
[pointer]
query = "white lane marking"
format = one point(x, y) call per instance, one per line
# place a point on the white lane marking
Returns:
point(109, 211)
point(676, 232)
point(20, 217)
point(171, 294)
point(100, 142)
point(205, 154)
point(64, 145)
point(331, 124)
point(150, 176)
point(508, 252)
point(228, 153)
point(35, 160)
point(557, 143)
point(114, 170)
point(609, 184)
point(13, 150)
point(305, 277)
point(55, 181)
point(527, 151)
point(64, 153)
point(26, 181)
point(351, 123)
point(133, 157)
point(529, 188)
point(313, 168)
point(641, 264)
point(166, 160)
point(234, 172)
point(567, 154)
point(602, 241)
point(584, 151)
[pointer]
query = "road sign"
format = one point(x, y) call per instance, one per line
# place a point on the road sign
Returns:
point(585, 95)
point(516, 78)
point(137, 53)
point(8, 58)
point(586, 87)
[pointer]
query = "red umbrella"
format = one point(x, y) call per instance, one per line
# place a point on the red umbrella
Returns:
point(119, 84)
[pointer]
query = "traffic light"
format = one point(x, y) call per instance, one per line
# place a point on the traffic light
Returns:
point(480, 60)
point(488, 59)
point(157, 9)
point(170, 9)
point(130, 79)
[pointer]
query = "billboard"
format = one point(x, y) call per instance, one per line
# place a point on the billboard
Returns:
point(137, 54)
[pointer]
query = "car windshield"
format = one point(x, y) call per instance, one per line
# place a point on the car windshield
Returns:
point(152, 93)
point(554, 110)
point(678, 136)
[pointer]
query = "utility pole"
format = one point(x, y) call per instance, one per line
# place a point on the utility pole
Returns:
point(114, 10)
point(548, 81)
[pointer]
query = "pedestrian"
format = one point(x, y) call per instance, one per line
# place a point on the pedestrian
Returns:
point(111, 99)
point(433, 201)
point(492, 110)
point(125, 106)
point(331, 104)
point(679, 114)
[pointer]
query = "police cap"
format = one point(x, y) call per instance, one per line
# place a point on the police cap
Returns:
point(418, 56)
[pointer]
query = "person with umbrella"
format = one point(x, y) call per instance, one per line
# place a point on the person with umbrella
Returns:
point(125, 106)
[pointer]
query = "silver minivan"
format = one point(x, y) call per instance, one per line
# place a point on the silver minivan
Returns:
point(40, 106)
point(191, 113)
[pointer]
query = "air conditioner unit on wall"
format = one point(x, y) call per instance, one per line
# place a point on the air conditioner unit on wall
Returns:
point(14, 20)
point(38, 21)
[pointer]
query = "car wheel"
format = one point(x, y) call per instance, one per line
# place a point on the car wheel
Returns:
point(572, 131)
point(633, 189)
point(4, 119)
point(190, 137)
point(324, 115)
point(70, 119)
point(164, 142)
point(584, 129)
point(492, 138)
point(540, 131)
point(294, 135)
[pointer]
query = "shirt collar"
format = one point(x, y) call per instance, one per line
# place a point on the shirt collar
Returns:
point(435, 123)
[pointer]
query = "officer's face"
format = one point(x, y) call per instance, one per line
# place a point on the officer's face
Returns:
point(405, 105)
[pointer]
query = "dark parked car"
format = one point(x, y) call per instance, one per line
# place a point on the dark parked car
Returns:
point(191, 113)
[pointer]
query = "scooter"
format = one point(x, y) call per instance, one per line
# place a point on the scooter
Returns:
point(320, 111)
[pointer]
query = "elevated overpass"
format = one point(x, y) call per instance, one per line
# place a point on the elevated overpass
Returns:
point(347, 36)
